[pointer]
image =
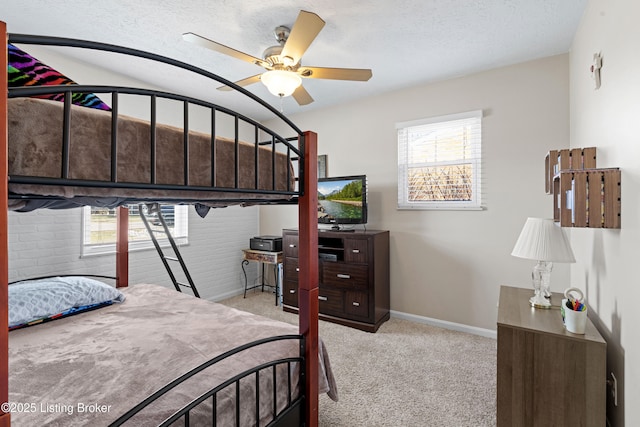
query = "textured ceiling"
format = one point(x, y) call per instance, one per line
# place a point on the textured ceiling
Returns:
point(404, 42)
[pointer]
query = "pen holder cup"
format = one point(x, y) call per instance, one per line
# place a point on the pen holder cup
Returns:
point(574, 321)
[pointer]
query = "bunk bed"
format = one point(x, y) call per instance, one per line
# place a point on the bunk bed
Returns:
point(271, 169)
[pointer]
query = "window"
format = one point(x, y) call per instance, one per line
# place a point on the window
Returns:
point(99, 228)
point(439, 162)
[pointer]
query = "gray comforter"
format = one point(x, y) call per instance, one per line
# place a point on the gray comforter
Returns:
point(90, 368)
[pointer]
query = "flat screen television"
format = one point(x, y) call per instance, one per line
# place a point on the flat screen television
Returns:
point(342, 200)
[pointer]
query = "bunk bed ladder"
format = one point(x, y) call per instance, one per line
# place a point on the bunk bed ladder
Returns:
point(154, 208)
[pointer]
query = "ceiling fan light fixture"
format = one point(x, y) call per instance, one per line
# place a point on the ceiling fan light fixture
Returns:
point(282, 63)
point(280, 82)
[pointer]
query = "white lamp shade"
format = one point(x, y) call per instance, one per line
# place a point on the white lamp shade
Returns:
point(280, 82)
point(543, 240)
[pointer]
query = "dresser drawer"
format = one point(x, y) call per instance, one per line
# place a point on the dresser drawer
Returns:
point(290, 293)
point(356, 250)
point(290, 245)
point(291, 269)
point(330, 301)
point(356, 304)
point(346, 275)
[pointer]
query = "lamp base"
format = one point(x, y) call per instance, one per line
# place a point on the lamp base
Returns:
point(538, 301)
point(540, 276)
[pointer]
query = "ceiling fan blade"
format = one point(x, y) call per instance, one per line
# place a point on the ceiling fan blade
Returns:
point(304, 31)
point(357, 74)
point(210, 44)
point(301, 96)
point(244, 82)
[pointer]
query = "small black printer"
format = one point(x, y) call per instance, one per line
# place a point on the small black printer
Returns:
point(266, 243)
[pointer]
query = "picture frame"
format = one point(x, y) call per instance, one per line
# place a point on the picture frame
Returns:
point(322, 166)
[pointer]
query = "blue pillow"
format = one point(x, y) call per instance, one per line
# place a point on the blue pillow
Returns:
point(36, 299)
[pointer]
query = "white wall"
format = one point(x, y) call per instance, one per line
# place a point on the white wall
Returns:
point(608, 119)
point(450, 265)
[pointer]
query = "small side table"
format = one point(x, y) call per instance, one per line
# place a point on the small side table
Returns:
point(545, 374)
point(263, 257)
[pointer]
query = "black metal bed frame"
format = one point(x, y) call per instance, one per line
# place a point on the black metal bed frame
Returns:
point(294, 153)
point(293, 414)
point(97, 276)
point(290, 415)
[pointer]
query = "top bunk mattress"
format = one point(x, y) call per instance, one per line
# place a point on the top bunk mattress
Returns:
point(36, 150)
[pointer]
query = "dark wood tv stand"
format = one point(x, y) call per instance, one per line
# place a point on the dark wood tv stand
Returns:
point(353, 277)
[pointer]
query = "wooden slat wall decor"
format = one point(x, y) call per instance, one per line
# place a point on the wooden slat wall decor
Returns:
point(590, 198)
point(580, 217)
point(611, 205)
point(583, 196)
point(550, 162)
point(565, 186)
point(556, 199)
point(558, 160)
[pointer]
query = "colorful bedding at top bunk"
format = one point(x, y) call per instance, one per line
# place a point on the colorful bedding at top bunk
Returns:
point(65, 145)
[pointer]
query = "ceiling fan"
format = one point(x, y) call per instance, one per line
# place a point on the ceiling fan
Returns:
point(284, 70)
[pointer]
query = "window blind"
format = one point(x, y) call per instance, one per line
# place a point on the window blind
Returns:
point(439, 162)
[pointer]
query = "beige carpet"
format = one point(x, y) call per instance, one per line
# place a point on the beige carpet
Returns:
point(406, 374)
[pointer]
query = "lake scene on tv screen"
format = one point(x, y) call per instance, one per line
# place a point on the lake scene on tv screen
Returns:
point(340, 199)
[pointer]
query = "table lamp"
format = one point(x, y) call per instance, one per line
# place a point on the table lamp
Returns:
point(544, 241)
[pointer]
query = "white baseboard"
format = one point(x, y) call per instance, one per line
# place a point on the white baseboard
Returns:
point(488, 333)
point(445, 324)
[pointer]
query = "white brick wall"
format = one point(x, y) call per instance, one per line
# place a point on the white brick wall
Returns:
point(48, 242)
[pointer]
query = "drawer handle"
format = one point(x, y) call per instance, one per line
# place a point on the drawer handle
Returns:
point(356, 303)
point(321, 298)
point(292, 291)
point(343, 276)
point(292, 245)
point(356, 251)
